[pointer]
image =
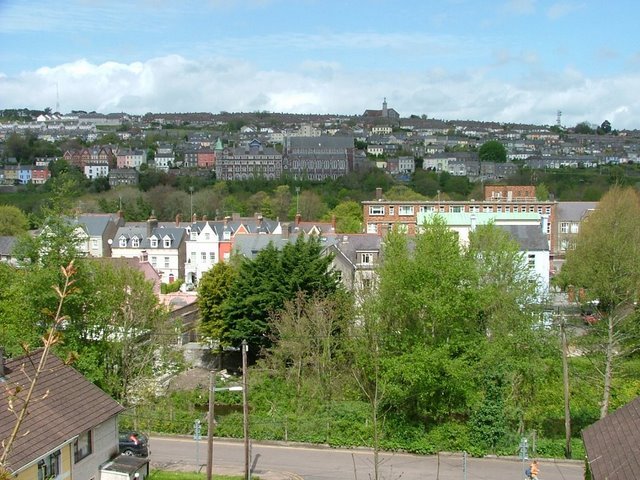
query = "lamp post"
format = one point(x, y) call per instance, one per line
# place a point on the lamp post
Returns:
point(211, 418)
point(191, 203)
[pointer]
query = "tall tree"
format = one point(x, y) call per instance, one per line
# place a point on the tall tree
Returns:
point(492, 151)
point(213, 290)
point(12, 221)
point(266, 282)
point(606, 264)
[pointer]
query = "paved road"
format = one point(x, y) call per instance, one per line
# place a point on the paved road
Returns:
point(274, 462)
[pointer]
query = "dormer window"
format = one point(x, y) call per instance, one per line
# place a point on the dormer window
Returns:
point(154, 242)
point(226, 235)
point(122, 242)
point(135, 242)
point(193, 235)
point(167, 243)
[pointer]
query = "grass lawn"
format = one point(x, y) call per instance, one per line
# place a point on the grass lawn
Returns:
point(164, 475)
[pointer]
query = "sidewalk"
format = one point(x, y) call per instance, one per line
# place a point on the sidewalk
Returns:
point(189, 467)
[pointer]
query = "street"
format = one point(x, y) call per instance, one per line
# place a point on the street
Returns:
point(322, 463)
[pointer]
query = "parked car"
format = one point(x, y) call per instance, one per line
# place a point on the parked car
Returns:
point(134, 443)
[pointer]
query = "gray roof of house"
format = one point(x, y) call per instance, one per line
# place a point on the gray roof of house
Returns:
point(65, 405)
point(529, 237)
point(349, 245)
point(573, 211)
point(7, 244)
point(176, 234)
point(250, 244)
point(94, 224)
point(324, 141)
point(612, 444)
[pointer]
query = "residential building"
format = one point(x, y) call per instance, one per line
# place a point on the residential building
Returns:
point(93, 170)
point(123, 176)
point(131, 158)
point(71, 429)
point(94, 231)
point(356, 256)
point(384, 113)
point(164, 246)
point(569, 218)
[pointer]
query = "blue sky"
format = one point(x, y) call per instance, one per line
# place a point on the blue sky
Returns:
point(493, 60)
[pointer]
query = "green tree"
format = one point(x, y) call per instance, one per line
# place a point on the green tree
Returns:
point(213, 290)
point(402, 192)
point(13, 221)
point(265, 283)
point(492, 151)
point(583, 128)
point(611, 280)
point(348, 217)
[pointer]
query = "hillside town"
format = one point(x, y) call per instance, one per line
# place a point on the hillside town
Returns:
point(314, 147)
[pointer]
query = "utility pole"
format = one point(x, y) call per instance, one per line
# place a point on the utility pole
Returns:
point(565, 379)
point(245, 411)
point(211, 423)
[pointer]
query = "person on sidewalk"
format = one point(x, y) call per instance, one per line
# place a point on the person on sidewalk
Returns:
point(533, 469)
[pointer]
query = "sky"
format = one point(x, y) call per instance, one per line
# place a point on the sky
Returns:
point(512, 61)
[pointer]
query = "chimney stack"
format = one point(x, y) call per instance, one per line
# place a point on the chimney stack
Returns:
point(178, 219)
point(298, 219)
point(378, 193)
point(333, 223)
point(152, 224)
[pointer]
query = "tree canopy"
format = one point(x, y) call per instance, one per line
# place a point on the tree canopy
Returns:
point(492, 151)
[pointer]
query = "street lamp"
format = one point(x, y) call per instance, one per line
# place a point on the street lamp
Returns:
point(191, 202)
point(211, 417)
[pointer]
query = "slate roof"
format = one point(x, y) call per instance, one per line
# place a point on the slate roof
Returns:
point(530, 237)
point(612, 444)
point(95, 224)
point(322, 142)
point(351, 244)
point(573, 211)
point(250, 244)
point(72, 406)
point(7, 244)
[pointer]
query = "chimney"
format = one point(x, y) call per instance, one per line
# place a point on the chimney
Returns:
point(285, 230)
point(178, 219)
point(226, 220)
point(333, 223)
point(143, 256)
point(204, 218)
point(298, 219)
point(194, 218)
point(378, 193)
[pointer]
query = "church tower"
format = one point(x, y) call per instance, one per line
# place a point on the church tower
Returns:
point(385, 114)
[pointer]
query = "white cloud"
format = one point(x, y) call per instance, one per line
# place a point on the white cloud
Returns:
point(520, 7)
point(562, 9)
point(174, 83)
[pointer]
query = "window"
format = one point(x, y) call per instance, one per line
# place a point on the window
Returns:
point(427, 208)
point(166, 262)
point(564, 227)
point(457, 209)
point(488, 209)
point(167, 243)
point(49, 467)
point(575, 227)
point(531, 261)
point(366, 258)
point(376, 210)
point(207, 236)
point(82, 446)
point(474, 209)
point(154, 261)
point(193, 257)
point(135, 242)
point(203, 256)
point(372, 228)
point(122, 242)
point(540, 210)
point(548, 210)
point(405, 210)
point(94, 243)
point(507, 209)
point(154, 242)
point(212, 256)
point(392, 210)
